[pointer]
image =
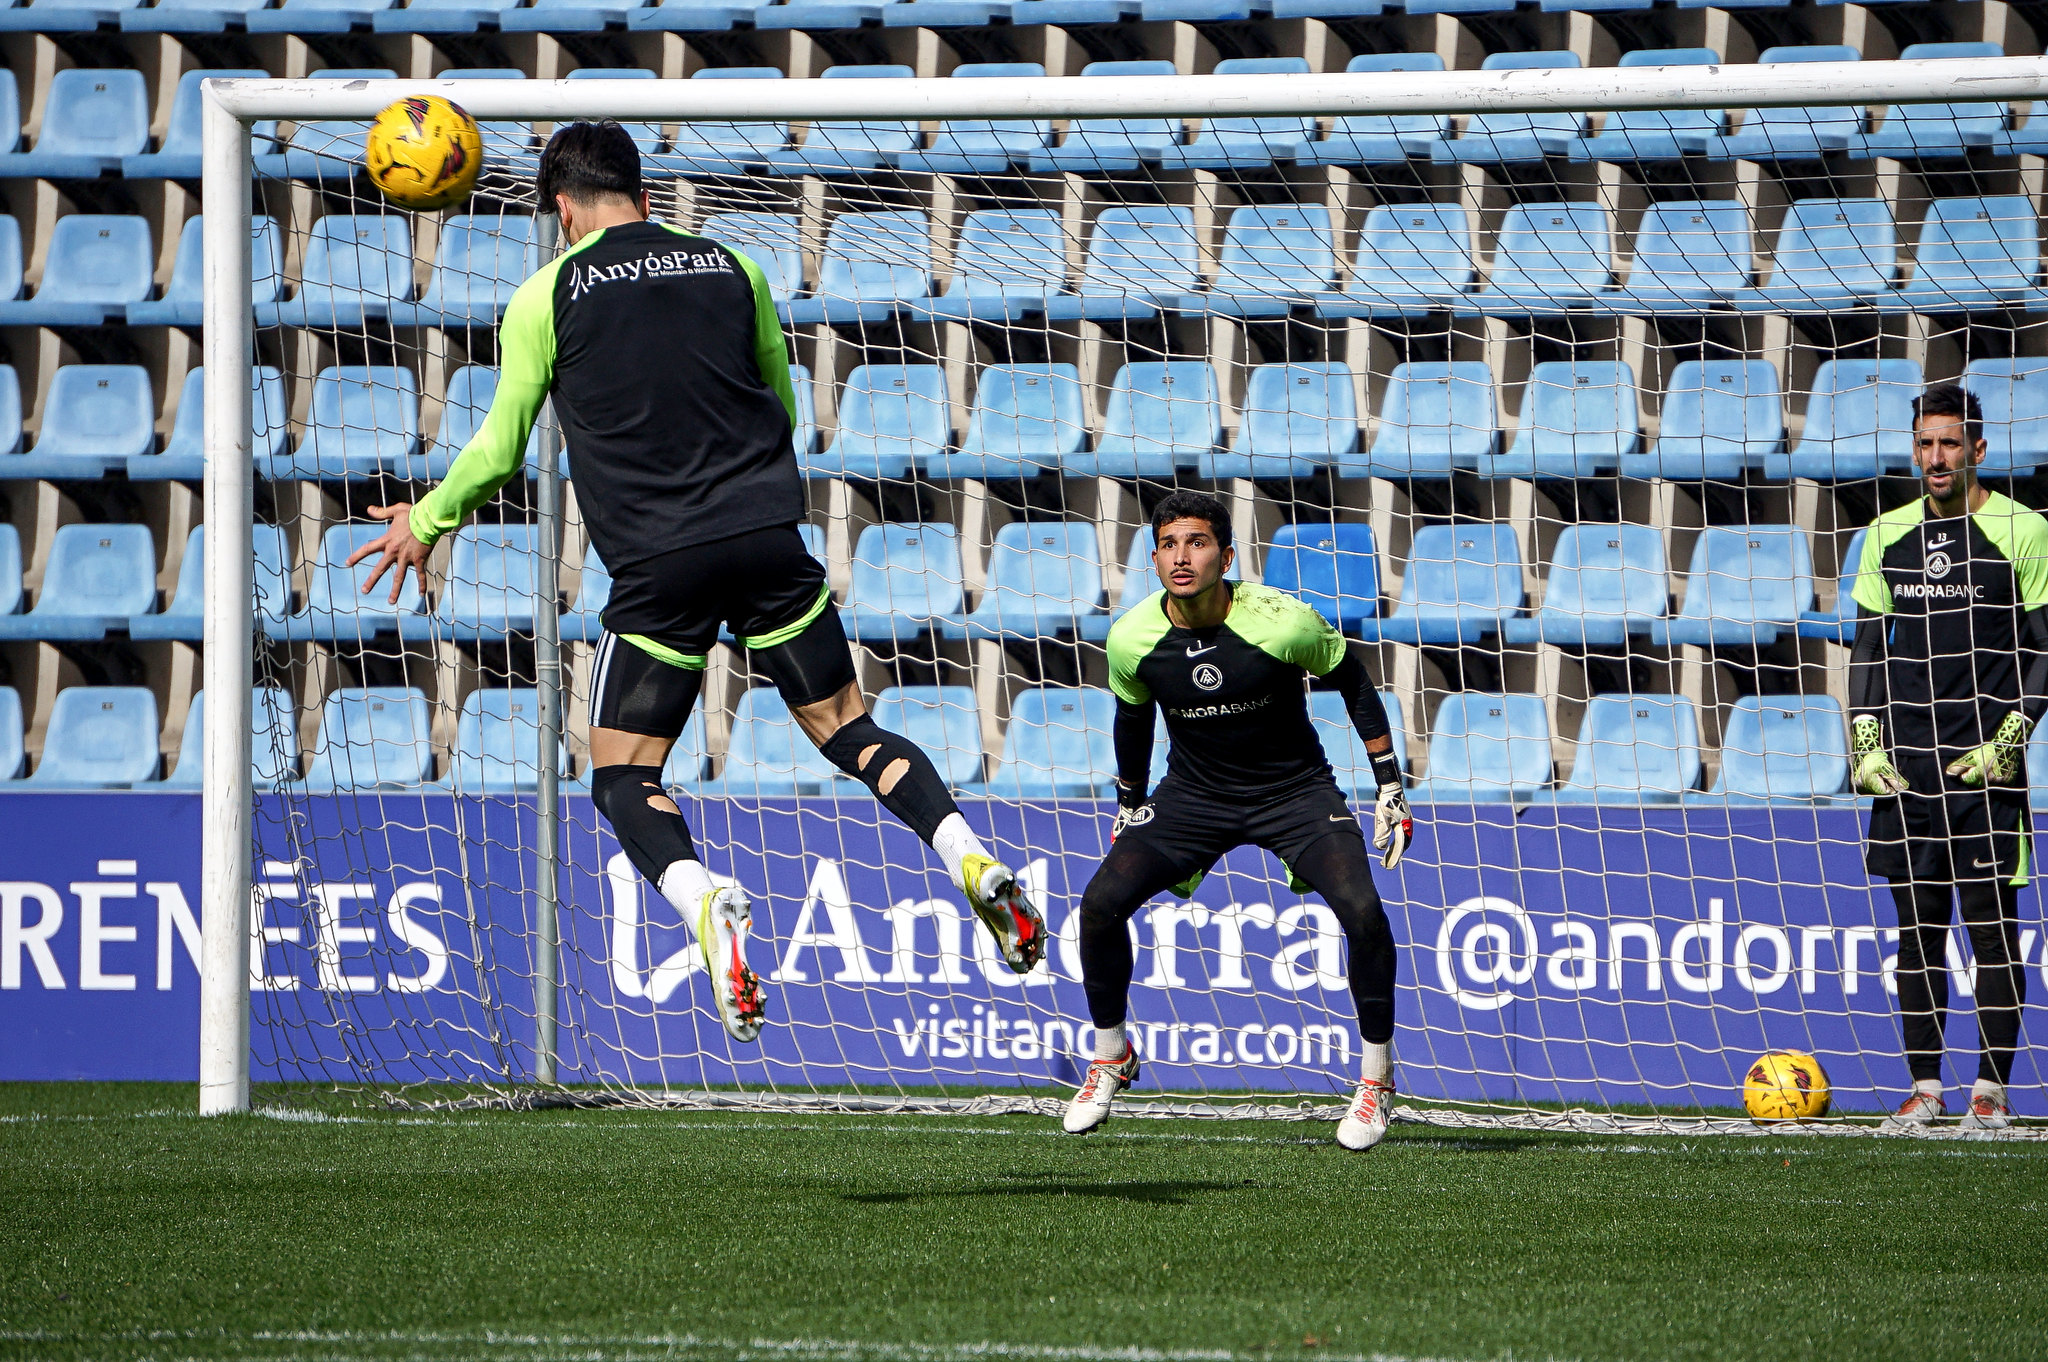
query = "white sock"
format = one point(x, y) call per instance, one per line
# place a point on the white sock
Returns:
point(1376, 1062)
point(1985, 1087)
point(1110, 1042)
point(955, 842)
point(684, 884)
point(1932, 1085)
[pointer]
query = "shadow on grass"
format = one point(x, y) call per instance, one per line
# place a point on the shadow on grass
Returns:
point(1163, 1193)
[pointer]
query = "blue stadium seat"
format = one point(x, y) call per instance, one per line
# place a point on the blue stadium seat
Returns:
point(906, 581)
point(647, 137)
point(10, 260)
point(944, 13)
point(100, 738)
point(1926, 132)
point(1634, 749)
point(1044, 578)
point(1505, 138)
point(1333, 567)
point(1275, 257)
point(96, 577)
point(336, 609)
point(1839, 624)
point(768, 754)
point(593, 589)
point(456, 17)
point(1057, 745)
point(178, 157)
point(942, 721)
point(2031, 137)
point(1548, 257)
point(2014, 396)
point(1027, 418)
point(711, 148)
point(356, 267)
point(689, 16)
point(10, 412)
point(874, 264)
point(1690, 255)
point(96, 265)
point(1577, 420)
point(1139, 260)
point(372, 738)
point(95, 418)
point(1073, 11)
point(890, 416)
point(1297, 418)
point(184, 456)
point(324, 149)
point(804, 436)
point(1859, 422)
point(191, 16)
point(1978, 252)
point(63, 16)
point(10, 113)
point(1832, 254)
point(1487, 748)
point(508, 144)
point(1412, 258)
point(13, 752)
point(1464, 582)
point(1655, 134)
point(463, 408)
point(1243, 143)
point(492, 583)
point(1342, 746)
point(1802, 134)
point(1159, 416)
point(497, 744)
point(1006, 263)
point(688, 761)
point(478, 262)
point(770, 240)
point(1108, 144)
point(273, 746)
point(10, 571)
point(1745, 584)
point(1606, 582)
point(568, 16)
point(1719, 418)
point(981, 146)
point(1436, 419)
point(1781, 747)
point(184, 300)
point(845, 147)
point(311, 17)
point(185, 617)
point(92, 117)
point(1374, 139)
point(365, 420)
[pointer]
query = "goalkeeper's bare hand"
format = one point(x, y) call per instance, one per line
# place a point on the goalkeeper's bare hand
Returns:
point(396, 545)
point(1875, 774)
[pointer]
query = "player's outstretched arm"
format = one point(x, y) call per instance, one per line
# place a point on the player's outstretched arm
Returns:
point(1869, 693)
point(1131, 735)
point(1393, 825)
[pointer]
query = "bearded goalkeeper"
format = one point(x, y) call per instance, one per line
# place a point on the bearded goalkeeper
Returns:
point(671, 378)
point(1949, 675)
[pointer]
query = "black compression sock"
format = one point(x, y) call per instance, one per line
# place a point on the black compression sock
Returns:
point(654, 838)
point(897, 770)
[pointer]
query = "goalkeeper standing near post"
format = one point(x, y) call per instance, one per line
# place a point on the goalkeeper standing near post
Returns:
point(1948, 676)
point(671, 378)
point(1226, 661)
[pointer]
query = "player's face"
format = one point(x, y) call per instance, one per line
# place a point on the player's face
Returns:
point(1188, 558)
point(1945, 455)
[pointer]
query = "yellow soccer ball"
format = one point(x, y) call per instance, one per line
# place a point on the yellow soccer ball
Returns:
point(424, 153)
point(1786, 1085)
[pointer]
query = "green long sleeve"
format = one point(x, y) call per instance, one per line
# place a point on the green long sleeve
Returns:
point(771, 351)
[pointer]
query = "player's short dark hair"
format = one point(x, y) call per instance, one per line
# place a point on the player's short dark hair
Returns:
point(1950, 399)
point(1192, 506)
point(587, 161)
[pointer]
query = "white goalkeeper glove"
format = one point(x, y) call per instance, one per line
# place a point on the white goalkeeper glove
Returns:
point(1131, 809)
point(1875, 774)
point(1393, 827)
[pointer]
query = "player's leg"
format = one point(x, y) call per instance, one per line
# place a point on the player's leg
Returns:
point(1990, 910)
point(1131, 874)
point(1924, 910)
point(1338, 867)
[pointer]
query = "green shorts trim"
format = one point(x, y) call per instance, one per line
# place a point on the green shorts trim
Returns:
point(777, 637)
point(661, 652)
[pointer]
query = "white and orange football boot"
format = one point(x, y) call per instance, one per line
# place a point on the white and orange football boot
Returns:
point(1365, 1120)
point(1105, 1079)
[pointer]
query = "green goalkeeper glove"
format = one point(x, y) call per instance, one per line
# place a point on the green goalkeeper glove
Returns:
point(1997, 762)
point(1875, 774)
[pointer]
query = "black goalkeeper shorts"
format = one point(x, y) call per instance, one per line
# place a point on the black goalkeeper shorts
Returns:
point(1192, 829)
point(1955, 834)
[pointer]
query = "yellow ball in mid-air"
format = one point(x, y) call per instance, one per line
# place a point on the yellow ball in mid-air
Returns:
point(1786, 1085)
point(424, 153)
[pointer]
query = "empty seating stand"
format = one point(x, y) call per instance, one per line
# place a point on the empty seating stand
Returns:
point(1056, 746)
point(497, 744)
point(1487, 748)
point(97, 265)
point(1719, 418)
point(980, 146)
point(1026, 419)
point(184, 302)
point(1158, 417)
point(1140, 259)
point(185, 618)
point(1495, 138)
point(1781, 748)
point(372, 738)
point(906, 582)
point(1634, 749)
point(1606, 582)
point(768, 754)
point(96, 578)
point(92, 118)
point(1746, 584)
point(1464, 581)
point(1297, 418)
point(1006, 265)
point(845, 148)
point(96, 418)
point(1437, 418)
point(1931, 132)
point(1044, 579)
point(1650, 135)
point(1859, 422)
point(1798, 134)
point(100, 738)
point(874, 265)
point(891, 416)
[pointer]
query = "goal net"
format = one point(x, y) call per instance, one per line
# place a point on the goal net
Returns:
point(1563, 393)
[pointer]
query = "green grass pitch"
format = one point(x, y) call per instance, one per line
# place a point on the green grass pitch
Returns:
point(133, 1229)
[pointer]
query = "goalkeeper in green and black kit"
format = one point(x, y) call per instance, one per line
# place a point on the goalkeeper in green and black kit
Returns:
point(669, 371)
point(1949, 675)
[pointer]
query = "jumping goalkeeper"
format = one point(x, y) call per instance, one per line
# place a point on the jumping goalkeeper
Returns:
point(671, 378)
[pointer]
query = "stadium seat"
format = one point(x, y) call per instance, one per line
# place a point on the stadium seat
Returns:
point(1005, 265)
point(185, 618)
point(463, 408)
point(1503, 138)
point(980, 146)
point(874, 264)
point(273, 745)
point(454, 17)
point(2014, 397)
point(711, 148)
point(1026, 419)
point(1139, 259)
point(1487, 748)
point(1831, 254)
point(1689, 255)
point(1801, 134)
point(1926, 132)
point(890, 416)
point(1464, 581)
point(1632, 135)
point(942, 721)
point(497, 744)
point(593, 589)
point(95, 266)
point(1577, 420)
point(1044, 578)
point(1411, 259)
point(768, 754)
point(1375, 139)
point(1634, 749)
point(63, 16)
point(324, 149)
point(336, 608)
point(10, 414)
point(316, 17)
point(184, 300)
point(1342, 746)
point(1606, 582)
point(184, 456)
point(1436, 419)
point(689, 760)
point(1275, 258)
point(11, 284)
point(1073, 11)
point(1839, 624)
point(1057, 745)
point(945, 13)
point(1158, 417)
point(1108, 145)
point(1859, 422)
point(492, 583)
point(803, 436)
point(2030, 138)
point(191, 17)
point(365, 421)
point(372, 738)
point(1297, 418)
point(568, 16)
point(10, 113)
point(1547, 257)
point(1780, 747)
point(10, 572)
point(647, 137)
point(178, 158)
point(906, 581)
point(1745, 584)
point(478, 263)
point(1974, 253)
point(1244, 143)
point(92, 117)
point(96, 577)
point(1333, 567)
point(770, 240)
point(13, 751)
point(1719, 418)
point(689, 16)
point(356, 267)
point(850, 147)
point(100, 738)
point(96, 417)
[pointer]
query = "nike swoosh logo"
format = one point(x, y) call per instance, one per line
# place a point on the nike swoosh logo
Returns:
point(1193, 651)
point(1985, 865)
point(1340, 818)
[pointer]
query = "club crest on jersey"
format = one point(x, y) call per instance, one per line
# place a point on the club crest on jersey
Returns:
point(1938, 564)
point(1208, 676)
